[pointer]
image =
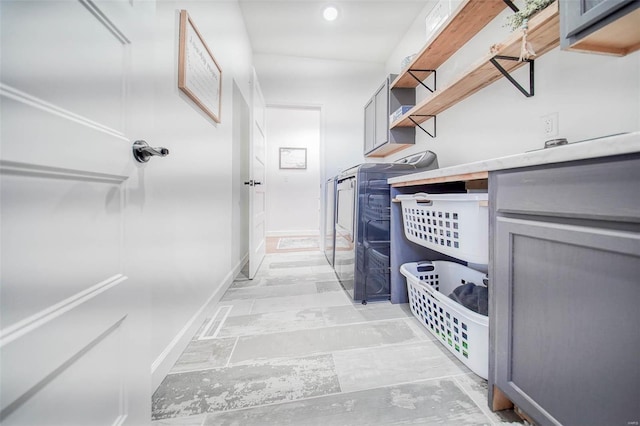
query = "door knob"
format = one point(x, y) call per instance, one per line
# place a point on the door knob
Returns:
point(142, 151)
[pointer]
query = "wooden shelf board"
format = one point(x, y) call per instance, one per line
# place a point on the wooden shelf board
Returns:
point(387, 149)
point(442, 179)
point(462, 25)
point(543, 36)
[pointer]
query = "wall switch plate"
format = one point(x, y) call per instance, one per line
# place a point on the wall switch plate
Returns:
point(549, 124)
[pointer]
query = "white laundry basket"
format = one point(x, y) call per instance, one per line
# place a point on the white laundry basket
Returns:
point(464, 332)
point(454, 224)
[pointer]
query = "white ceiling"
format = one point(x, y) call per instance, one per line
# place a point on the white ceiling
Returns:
point(364, 31)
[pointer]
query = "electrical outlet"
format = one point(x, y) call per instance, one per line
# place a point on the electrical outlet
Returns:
point(550, 125)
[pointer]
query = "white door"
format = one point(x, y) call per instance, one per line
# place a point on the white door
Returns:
point(72, 315)
point(257, 200)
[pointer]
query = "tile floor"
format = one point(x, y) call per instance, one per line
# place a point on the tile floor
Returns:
point(290, 348)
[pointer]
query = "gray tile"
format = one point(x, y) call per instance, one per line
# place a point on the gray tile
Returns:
point(477, 389)
point(325, 286)
point(193, 393)
point(394, 364)
point(238, 307)
point(307, 355)
point(262, 292)
point(281, 257)
point(322, 340)
point(373, 311)
point(181, 421)
point(420, 329)
point(293, 271)
point(201, 354)
point(297, 279)
point(299, 266)
point(425, 403)
point(272, 322)
point(303, 319)
point(304, 301)
point(301, 263)
point(211, 326)
point(284, 279)
point(245, 283)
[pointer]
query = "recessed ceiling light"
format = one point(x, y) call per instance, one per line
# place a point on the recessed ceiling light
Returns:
point(330, 13)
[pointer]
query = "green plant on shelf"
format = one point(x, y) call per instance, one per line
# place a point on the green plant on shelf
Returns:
point(531, 7)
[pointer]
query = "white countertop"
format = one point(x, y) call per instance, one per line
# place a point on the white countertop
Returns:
point(626, 143)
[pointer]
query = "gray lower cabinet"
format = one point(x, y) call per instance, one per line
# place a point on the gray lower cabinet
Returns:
point(565, 290)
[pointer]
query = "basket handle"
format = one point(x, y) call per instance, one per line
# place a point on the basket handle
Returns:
point(425, 266)
point(422, 198)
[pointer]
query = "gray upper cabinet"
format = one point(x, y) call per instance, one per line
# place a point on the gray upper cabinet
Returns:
point(565, 290)
point(369, 125)
point(379, 141)
point(382, 114)
point(601, 26)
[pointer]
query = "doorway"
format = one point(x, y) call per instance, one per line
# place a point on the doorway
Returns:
point(293, 178)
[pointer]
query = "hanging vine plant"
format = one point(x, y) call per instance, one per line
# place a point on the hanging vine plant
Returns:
point(531, 7)
point(520, 20)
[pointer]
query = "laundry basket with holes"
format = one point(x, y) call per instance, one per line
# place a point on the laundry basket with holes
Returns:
point(464, 332)
point(454, 224)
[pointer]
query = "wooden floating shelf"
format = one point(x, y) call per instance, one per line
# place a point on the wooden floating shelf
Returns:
point(462, 26)
point(544, 35)
point(387, 149)
point(464, 177)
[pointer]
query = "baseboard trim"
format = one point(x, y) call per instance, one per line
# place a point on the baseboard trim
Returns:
point(163, 363)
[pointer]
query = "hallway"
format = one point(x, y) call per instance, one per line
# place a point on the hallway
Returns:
point(290, 348)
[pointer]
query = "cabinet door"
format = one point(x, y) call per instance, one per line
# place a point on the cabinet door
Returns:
point(581, 19)
point(369, 125)
point(580, 14)
point(382, 114)
point(566, 321)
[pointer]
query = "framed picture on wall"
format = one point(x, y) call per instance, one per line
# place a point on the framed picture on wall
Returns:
point(293, 158)
point(199, 75)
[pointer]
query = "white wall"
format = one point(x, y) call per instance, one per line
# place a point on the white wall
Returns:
point(189, 201)
point(341, 88)
point(594, 95)
point(293, 195)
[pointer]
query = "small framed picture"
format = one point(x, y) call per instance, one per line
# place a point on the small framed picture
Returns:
point(293, 158)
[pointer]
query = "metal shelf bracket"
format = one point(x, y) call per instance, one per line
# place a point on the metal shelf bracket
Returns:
point(422, 128)
point(508, 76)
point(511, 5)
point(435, 74)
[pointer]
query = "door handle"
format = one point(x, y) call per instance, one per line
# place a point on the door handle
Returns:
point(142, 151)
point(253, 183)
point(257, 183)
